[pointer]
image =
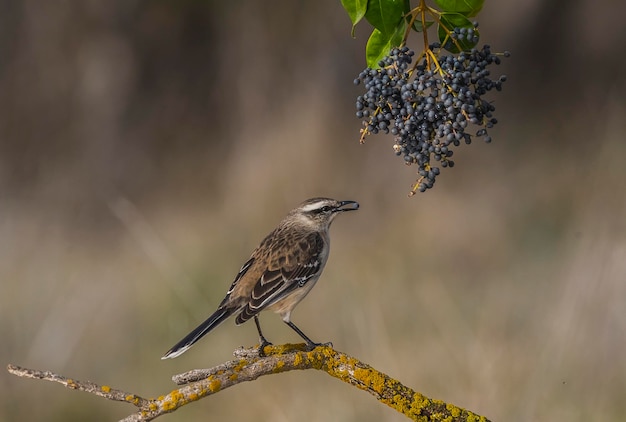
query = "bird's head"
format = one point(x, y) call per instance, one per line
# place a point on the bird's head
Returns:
point(320, 212)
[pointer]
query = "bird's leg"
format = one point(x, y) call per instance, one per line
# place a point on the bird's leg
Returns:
point(309, 343)
point(262, 340)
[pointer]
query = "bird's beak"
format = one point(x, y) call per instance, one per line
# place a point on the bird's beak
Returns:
point(348, 206)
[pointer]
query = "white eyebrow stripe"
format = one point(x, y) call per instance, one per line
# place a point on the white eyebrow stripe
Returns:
point(313, 206)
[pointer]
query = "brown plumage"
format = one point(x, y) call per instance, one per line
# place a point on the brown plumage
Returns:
point(280, 272)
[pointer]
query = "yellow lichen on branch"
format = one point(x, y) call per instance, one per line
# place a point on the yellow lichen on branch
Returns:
point(249, 366)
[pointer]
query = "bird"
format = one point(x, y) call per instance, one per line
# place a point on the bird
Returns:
point(280, 272)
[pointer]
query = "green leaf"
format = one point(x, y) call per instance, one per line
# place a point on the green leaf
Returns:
point(356, 10)
point(418, 27)
point(447, 23)
point(384, 15)
point(467, 8)
point(379, 45)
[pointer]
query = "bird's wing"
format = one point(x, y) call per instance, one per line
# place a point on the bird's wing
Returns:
point(289, 267)
point(244, 269)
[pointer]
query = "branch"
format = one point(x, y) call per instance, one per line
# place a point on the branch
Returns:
point(248, 366)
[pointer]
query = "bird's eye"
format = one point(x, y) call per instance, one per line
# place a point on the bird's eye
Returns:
point(326, 209)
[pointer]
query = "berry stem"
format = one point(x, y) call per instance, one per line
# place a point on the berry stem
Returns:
point(422, 6)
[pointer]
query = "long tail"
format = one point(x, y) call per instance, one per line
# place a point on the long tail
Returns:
point(213, 321)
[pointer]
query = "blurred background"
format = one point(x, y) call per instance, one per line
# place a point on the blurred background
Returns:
point(146, 147)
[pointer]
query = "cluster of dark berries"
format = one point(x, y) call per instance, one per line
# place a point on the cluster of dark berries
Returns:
point(428, 106)
point(462, 37)
point(463, 33)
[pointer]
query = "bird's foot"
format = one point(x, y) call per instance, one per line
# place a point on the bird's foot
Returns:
point(264, 343)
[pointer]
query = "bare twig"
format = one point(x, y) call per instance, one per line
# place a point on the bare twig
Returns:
point(87, 386)
point(249, 366)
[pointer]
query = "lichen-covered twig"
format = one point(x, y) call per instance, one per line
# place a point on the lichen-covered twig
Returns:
point(87, 386)
point(249, 366)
